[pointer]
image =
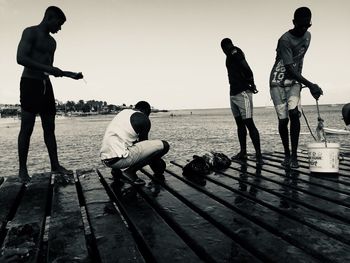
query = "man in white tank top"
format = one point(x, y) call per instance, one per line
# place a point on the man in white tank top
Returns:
point(125, 145)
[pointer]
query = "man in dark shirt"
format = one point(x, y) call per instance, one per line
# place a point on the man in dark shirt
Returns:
point(242, 88)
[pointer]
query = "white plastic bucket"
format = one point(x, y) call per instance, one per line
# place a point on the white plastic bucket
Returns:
point(323, 159)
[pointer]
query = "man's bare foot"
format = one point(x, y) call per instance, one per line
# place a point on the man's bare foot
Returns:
point(23, 176)
point(61, 170)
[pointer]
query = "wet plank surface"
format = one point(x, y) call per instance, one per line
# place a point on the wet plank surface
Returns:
point(66, 237)
point(246, 213)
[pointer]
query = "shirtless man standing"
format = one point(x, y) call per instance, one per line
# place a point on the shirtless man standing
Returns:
point(35, 52)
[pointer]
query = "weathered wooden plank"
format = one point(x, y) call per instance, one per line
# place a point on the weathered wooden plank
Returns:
point(328, 182)
point(303, 197)
point(113, 240)
point(282, 197)
point(304, 161)
point(342, 177)
point(277, 224)
point(245, 229)
point(26, 229)
point(312, 185)
point(66, 238)
point(210, 244)
point(158, 235)
point(10, 192)
point(320, 242)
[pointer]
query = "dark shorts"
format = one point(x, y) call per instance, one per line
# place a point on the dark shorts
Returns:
point(37, 96)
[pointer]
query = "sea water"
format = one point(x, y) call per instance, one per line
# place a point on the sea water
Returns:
point(188, 132)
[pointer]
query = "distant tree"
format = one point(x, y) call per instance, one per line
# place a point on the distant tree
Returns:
point(86, 108)
point(70, 106)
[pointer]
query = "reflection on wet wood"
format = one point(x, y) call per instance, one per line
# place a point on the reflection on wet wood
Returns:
point(247, 213)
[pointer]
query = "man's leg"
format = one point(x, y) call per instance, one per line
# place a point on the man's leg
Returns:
point(158, 165)
point(284, 134)
point(143, 153)
point(27, 125)
point(255, 137)
point(48, 124)
point(242, 137)
point(238, 104)
point(294, 135)
point(152, 156)
point(294, 115)
point(279, 98)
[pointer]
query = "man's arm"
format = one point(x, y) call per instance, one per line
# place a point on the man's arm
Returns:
point(315, 90)
point(23, 55)
point(287, 57)
point(246, 71)
point(141, 125)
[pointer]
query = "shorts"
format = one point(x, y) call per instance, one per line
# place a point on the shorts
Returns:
point(139, 152)
point(36, 96)
point(285, 99)
point(242, 105)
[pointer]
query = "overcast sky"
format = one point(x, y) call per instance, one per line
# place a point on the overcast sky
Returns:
point(168, 52)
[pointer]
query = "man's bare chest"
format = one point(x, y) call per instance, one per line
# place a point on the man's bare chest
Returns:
point(44, 45)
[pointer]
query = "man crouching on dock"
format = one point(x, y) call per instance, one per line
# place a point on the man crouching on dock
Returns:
point(126, 146)
point(35, 52)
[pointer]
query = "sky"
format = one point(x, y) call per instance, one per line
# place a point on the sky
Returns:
point(168, 52)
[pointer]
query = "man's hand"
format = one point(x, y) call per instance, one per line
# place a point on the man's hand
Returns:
point(253, 89)
point(73, 75)
point(316, 91)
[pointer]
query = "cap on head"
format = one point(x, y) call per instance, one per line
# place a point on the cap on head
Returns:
point(54, 11)
point(144, 107)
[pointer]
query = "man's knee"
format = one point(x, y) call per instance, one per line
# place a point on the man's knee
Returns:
point(166, 147)
point(239, 121)
point(294, 113)
point(283, 122)
point(248, 122)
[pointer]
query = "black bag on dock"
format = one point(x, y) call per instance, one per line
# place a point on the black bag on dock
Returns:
point(217, 160)
point(196, 167)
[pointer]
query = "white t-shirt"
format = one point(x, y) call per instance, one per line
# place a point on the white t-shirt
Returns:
point(119, 136)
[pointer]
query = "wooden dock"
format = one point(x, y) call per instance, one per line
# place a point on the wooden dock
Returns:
point(243, 214)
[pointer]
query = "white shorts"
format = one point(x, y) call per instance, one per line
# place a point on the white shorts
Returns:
point(242, 105)
point(285, 99)
point(140, 152)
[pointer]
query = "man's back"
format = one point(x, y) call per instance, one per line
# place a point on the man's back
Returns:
point(124, 130)
point(239, 72)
